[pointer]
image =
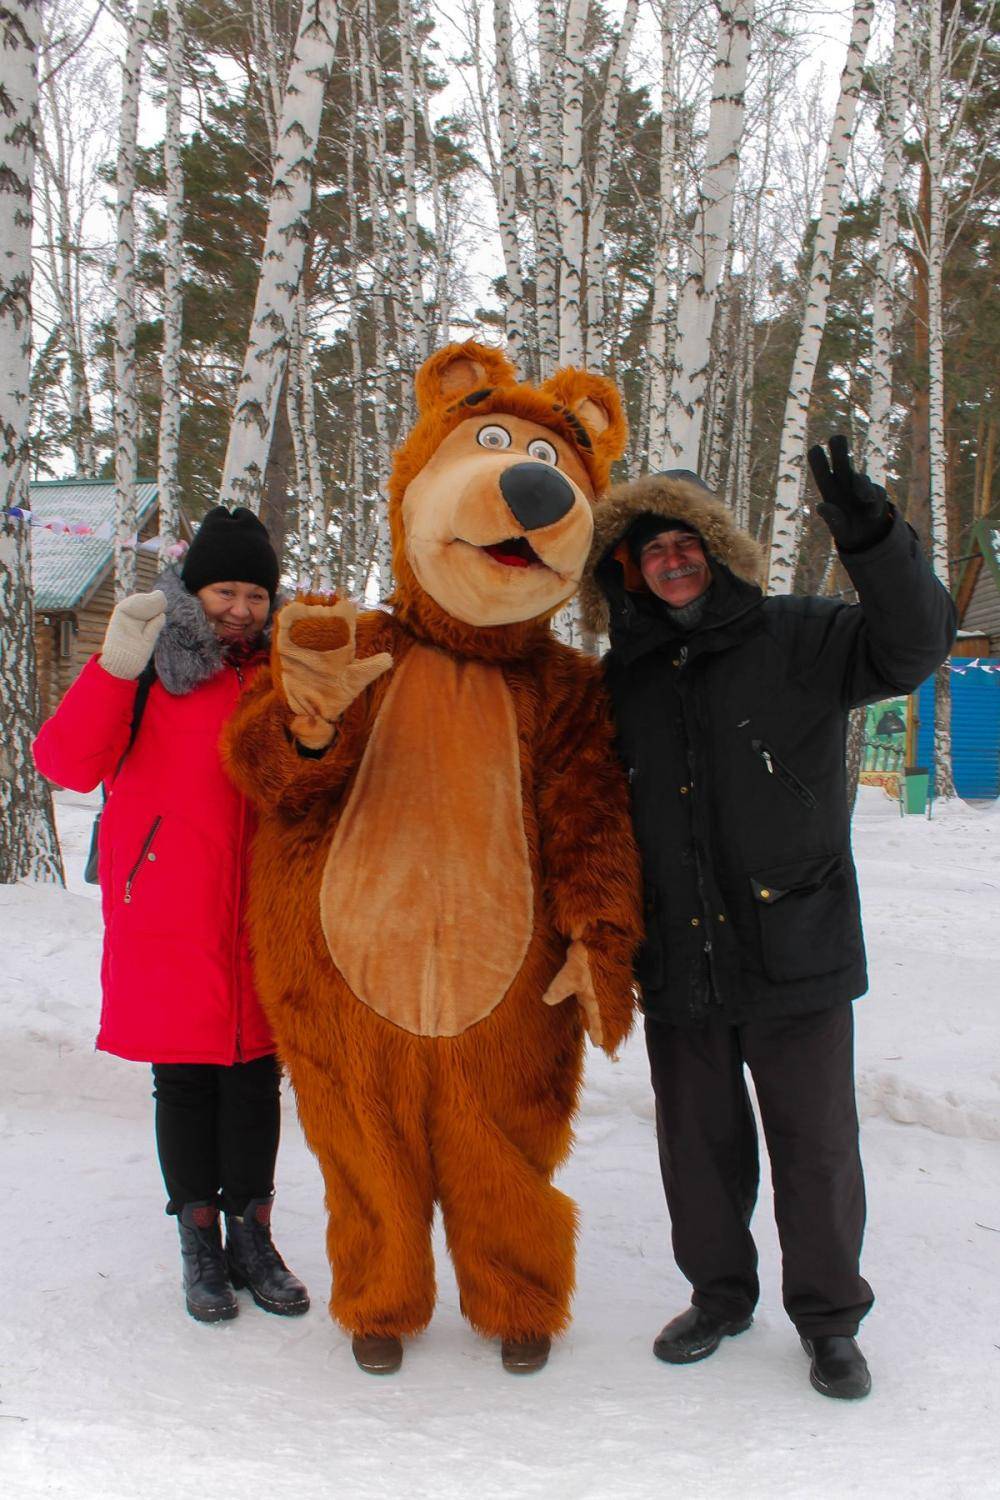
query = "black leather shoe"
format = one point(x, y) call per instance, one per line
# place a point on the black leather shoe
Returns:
point(207, 1292)
point(254, 1263)
point(694, 1335)
point(838, 1367)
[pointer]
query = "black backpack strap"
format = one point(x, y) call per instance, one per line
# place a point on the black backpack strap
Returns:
point(144, 682)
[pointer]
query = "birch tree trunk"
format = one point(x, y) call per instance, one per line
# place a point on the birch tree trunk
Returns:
point(441, 293)
point(170, 375)
point(596, 350)
point(266, 358)
point(293, 399)
point(787, 526)
point(883, 295)
point(506, 180)
point(546, 199)
point(29, 847)
point(382, 262)
point(411, 226)
point(660, 345)
point(571, 341)
point(713, 225)
point(126, 397)
point(944, 782)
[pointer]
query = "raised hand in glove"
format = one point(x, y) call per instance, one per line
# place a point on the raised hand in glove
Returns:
point(856, 511)
point(313, 663)
point(131, 634)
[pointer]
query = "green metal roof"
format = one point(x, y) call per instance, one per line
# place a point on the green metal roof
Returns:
point(66, 568)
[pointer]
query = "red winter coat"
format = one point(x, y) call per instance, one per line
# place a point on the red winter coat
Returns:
point(175, 835)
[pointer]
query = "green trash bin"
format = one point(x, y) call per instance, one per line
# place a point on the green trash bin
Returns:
point(915, 789)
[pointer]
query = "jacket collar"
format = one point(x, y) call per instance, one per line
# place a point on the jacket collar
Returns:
point(188, 651)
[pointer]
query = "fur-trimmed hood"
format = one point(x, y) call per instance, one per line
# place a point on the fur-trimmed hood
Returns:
point(675, 499)
point(188, 651)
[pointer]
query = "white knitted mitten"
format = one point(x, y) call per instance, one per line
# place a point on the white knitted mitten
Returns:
point(131, 634)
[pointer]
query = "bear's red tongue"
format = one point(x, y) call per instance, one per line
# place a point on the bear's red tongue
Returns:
point(514, 553)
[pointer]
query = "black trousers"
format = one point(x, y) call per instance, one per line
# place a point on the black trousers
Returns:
point(217, 1131)
point(803, 1072)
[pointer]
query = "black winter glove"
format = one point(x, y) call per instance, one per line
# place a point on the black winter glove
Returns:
point(856, 511)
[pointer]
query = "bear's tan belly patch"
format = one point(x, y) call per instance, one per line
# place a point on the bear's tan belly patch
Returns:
point(426, 900)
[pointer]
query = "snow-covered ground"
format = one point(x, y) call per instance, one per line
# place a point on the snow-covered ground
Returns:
point(109, 1390)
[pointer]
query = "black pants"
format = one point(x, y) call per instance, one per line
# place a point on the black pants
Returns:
point(217, 1131)
point(803, 1072)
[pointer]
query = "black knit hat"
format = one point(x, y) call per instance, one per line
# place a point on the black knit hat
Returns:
point(231, 547)
point(648, 525)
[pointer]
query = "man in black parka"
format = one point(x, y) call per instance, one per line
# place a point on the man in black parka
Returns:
point(732, 713)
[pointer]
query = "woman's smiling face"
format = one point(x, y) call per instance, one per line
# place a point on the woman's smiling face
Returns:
point(235, 611)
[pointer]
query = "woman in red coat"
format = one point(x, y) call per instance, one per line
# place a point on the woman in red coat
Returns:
point(176, 974)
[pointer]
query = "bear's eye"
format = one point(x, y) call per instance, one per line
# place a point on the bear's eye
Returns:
point(493, 437)
point(543, 451)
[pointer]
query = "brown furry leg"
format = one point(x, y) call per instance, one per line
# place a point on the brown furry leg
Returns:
point(510, 1232)
point(379, 1200)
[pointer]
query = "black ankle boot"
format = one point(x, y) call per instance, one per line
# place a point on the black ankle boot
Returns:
point(207, 1292)
point(838, 1367)
point(254, 1263)
point(694, 1335)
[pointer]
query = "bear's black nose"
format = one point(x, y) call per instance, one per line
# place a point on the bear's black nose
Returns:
point(536, 493)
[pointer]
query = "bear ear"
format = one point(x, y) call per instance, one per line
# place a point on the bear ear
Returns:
point(594, 401)
point(458, 370)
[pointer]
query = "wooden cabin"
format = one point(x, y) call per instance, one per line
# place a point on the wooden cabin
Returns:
point(73, 575)
point(977, 597)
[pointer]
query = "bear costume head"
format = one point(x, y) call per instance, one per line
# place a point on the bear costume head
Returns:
point(491, 495)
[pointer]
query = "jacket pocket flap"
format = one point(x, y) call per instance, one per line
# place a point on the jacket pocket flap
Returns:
point(802, 875)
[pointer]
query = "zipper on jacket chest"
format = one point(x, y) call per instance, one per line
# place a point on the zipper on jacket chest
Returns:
point(776, 768)
point(144, 854)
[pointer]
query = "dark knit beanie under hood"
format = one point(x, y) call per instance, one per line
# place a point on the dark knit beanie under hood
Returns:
point(231, 547)
point(645, 527)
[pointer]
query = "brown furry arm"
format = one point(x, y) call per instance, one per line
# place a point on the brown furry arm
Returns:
point(261, 756)
point(589, 857)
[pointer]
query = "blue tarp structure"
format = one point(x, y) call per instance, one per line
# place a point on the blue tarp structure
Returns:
point(975, 727)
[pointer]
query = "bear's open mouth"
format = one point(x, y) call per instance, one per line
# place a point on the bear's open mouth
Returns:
point(514, 553)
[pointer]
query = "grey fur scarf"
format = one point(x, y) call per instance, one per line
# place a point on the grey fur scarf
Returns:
point(188, 651)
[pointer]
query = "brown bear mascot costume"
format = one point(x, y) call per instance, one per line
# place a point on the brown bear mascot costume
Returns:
point(444, 855)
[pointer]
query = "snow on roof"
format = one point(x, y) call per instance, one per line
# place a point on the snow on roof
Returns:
point(66, 568)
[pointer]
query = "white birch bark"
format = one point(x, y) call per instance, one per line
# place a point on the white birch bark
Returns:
point(883, 294)
point(712, 230)
point(506, 180)
point(659, 322)
point(29, 848)
point(293, 403)
point(126, 395)
point(284, 251)
point(571, 189)
point(720, 382)
point(944, 782)
point(411, 225)
point(170, 376)
point(787, 525)
point(547, 191)
point(441, 247)
point(269, 81)
point(381, 300)
point(318, 508)
point(350, 561)
point(596, 344)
